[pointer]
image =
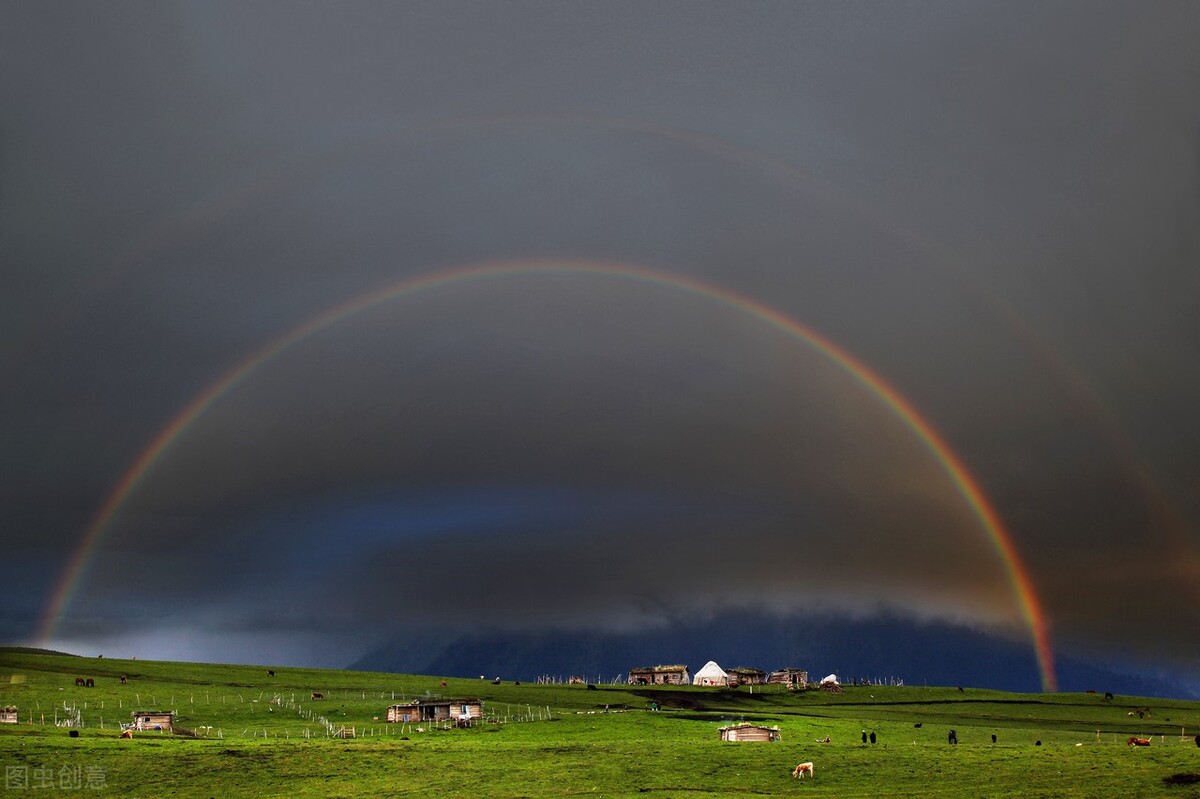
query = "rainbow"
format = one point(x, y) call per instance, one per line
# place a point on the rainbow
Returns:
point(966, 485)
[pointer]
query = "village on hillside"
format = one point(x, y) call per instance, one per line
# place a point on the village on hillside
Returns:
point(712, 675)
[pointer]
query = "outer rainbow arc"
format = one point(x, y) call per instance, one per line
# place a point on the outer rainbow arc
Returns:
point(964, 482)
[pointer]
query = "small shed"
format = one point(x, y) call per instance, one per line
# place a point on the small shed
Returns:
point(460, 711)
point(163, 720)
point(8, 715)
point(659, 675)
point(795, 678)
point(743, 675)
point(749, 732)
point(711, 675)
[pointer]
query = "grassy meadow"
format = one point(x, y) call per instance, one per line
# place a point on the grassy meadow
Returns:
point(265, 736)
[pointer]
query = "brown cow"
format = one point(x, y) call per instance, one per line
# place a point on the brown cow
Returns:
point(1135, 741)
point(318, 695)
point(124, 679)
point(79, 681)
point(90, 683)
point(127, 734)
point(802, 769)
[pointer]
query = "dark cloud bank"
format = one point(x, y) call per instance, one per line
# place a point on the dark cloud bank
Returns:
point(994, 206)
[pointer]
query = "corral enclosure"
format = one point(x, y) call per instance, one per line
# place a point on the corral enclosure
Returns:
point(250, 734)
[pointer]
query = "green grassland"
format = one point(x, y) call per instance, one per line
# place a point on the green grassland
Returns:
point(269, 738)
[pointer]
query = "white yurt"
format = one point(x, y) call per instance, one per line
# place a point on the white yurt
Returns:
point(711, 674)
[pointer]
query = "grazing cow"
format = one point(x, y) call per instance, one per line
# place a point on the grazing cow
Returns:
point(270, 672)
point(591, 687)
point(802, 769)
point(1037, 743)
point(917, 726)
point(952, 737)
point(993, 737)
point(864, 736)
point(127, 734)
point(318, 695)
point(1092, 691)
point(872, 736)
point(73, 733)
point(496, 681)
point(124, 680)
point(442, 683)
point(960, 690)
point(1108, 695)
point(79, 681)
point(1135, 741)
point(90, 683)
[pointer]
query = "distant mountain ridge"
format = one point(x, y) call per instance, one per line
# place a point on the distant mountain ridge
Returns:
point(880, 648)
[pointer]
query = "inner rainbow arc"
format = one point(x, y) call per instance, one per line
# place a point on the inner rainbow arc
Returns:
point(964, 482)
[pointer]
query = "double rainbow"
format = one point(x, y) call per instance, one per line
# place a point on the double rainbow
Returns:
point(966, 485)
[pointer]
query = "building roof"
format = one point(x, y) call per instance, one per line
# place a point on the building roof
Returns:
point(746, 724)
point(711, 671)
point(420, 702)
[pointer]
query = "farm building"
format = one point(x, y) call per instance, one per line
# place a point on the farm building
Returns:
point(457, 710)
point(749, 732)
point(711, 675)
point(659, 675)
point(795, 678)
point(746, 676)
point(8, 715)
point(163, 720)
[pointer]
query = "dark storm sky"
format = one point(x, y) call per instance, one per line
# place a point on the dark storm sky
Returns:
point(995, 206)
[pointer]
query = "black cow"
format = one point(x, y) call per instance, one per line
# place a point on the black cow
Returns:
point(953, 737)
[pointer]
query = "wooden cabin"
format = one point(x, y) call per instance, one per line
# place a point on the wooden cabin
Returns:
point(749, 732)
point(659, 675)
point(794, 678)
point(8, 715)
point(460, 711)
point(163, 720)
point(743, 675)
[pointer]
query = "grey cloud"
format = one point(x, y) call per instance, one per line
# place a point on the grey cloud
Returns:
point(992, 205)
